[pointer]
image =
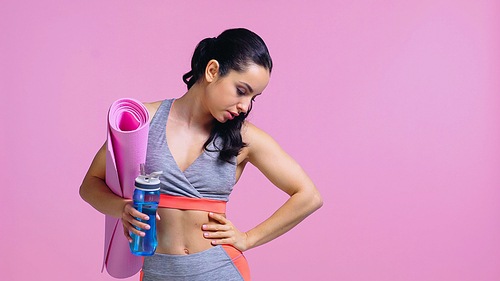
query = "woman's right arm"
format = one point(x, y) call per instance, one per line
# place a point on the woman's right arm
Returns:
point(95, 192)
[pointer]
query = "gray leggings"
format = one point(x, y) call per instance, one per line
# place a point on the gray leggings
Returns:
point(212, 264)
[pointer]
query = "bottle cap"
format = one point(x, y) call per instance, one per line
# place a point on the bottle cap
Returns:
point(147, 182)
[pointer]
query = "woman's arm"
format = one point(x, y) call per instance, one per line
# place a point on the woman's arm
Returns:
point(95, 192)
point(286, 174)
point(265, 154)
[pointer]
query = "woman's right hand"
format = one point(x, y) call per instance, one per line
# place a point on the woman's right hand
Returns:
point(129, 220)
point(95, 191)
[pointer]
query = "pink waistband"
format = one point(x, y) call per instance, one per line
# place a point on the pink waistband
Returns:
point(189, 203)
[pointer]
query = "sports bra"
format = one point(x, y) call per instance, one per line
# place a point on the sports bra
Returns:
point(208, 178)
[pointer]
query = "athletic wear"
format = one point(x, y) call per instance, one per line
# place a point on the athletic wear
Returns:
point(215, 264)
point(207, 177)
point(205, 185)
point(188, 203)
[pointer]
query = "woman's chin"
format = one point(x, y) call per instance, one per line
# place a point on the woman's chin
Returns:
point(221, 120)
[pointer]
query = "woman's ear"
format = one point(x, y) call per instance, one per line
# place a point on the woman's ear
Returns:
point(211, 71)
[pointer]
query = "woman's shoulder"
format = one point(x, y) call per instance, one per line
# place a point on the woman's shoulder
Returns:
point(261, 147)
point(254, 137)
point(249, 130)
point(152, 107)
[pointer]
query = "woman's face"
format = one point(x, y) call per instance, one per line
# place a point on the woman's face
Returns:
point(231, 95)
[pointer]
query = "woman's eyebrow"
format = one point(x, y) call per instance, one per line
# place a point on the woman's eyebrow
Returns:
point(248, 86)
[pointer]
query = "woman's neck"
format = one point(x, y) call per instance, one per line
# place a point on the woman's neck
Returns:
point(191, 110)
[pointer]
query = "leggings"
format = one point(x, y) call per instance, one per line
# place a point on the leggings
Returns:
point(217, 263)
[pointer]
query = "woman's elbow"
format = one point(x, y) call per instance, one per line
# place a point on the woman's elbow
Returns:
point(316, 200)
point(85, 189)
point(82, 192)
point(312, 199)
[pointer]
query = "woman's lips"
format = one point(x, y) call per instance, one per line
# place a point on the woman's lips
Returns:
point(231, 115)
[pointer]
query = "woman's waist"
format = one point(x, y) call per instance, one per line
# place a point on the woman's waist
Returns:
point(180, 231)
point(191, 203)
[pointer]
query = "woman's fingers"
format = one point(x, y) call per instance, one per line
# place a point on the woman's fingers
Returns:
point(221, 237)
point(130, 222)
point(219, 234)
point(224, 233)
point(127, 233)
point(128, 228)
point(129, 209)
point(226, 241)
point(133, 224)
point(216, 227)
point(219, 218)
point(133, 221)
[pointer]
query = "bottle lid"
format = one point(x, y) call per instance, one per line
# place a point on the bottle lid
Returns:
point(147, 182)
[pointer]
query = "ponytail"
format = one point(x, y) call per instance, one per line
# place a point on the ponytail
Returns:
point(201, 57)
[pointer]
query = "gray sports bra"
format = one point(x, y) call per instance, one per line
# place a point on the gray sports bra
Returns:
point(207, 177)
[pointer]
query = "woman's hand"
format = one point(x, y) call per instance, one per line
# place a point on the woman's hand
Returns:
point(129, 220)
point(225, 233)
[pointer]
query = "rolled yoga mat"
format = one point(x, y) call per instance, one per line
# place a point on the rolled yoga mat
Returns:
point(128, 128)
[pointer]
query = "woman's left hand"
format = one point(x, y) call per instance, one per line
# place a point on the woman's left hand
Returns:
point(225, 233)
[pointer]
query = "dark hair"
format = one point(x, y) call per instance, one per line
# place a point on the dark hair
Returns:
point(233, 49)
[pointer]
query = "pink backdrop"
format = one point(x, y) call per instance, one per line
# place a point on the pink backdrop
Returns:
point(392, 107)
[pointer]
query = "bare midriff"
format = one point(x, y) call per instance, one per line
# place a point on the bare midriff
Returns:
point(180, 231)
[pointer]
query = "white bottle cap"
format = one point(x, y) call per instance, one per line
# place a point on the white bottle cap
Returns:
point(149, 182)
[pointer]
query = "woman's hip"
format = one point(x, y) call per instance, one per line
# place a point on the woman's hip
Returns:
point(217, 263)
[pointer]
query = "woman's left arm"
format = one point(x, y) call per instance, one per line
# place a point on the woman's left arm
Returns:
point(264, 153)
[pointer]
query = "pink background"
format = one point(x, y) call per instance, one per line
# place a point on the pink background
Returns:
point(391, 107)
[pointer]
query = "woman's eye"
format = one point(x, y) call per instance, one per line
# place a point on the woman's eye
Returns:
point(240, 92)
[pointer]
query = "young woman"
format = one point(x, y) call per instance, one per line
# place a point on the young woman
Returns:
point(202, 143)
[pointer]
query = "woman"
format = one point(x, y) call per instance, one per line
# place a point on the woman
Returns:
point(202, 143)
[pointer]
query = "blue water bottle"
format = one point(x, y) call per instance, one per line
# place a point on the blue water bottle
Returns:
point(146, 199)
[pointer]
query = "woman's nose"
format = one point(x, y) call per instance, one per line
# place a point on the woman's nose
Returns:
point(243, 107)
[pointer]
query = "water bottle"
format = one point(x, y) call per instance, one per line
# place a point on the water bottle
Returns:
point(146, 199)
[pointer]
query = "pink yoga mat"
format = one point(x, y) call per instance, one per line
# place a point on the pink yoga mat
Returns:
point(128, 127)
